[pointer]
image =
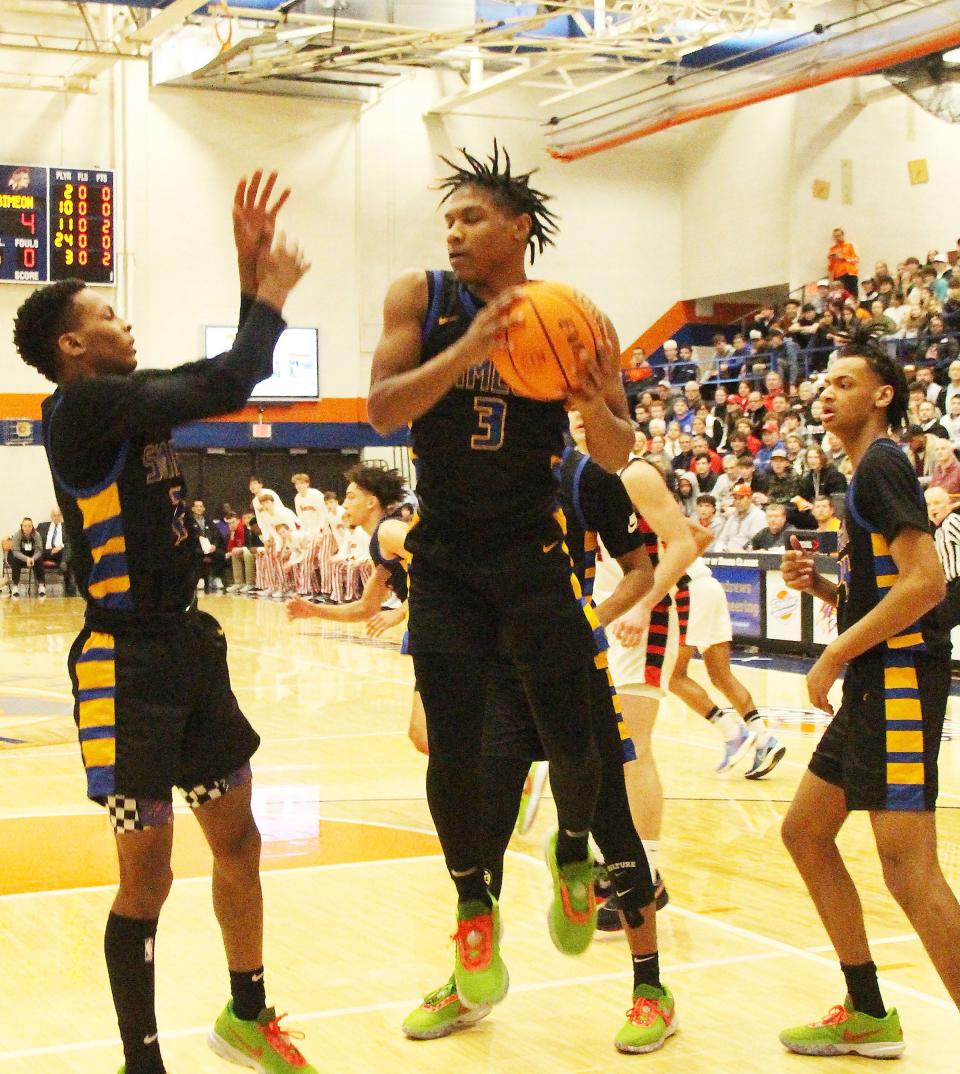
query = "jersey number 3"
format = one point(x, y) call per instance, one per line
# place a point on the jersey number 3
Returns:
point(492, 417)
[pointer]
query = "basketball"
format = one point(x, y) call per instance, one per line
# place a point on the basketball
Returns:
point(544, 349)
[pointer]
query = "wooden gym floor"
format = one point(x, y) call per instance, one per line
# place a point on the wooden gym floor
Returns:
point(358, 904)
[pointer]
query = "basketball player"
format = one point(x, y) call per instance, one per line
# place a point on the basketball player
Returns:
point(152, 693)
point(594, 503)
point(643, 644)
point(488, 565)
point(710, 633)
point(372, 493)
point(879, 753)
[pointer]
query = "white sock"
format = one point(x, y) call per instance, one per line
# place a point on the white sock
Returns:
point(652, 849)
point(729, 725)
point(758, 725)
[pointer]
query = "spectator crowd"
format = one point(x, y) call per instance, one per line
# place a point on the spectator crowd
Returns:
point(739, 436)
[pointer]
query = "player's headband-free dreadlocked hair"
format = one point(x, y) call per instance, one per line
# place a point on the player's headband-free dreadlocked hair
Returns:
point(511, 192)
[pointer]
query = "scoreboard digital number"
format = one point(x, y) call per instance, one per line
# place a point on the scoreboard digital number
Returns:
point(81, 225)
point(23, 224)
point(56, 224)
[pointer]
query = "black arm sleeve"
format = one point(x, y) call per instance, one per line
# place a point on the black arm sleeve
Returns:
point(113, 408)
point(888, 494)
point(606, 507)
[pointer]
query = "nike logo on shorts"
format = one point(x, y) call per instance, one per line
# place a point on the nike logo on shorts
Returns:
point(152, 1039)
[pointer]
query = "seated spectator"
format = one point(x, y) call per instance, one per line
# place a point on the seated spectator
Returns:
point(820, 477)
point(920, 451)
point(704, 476)
point(725, 364)
point(239, 553)
point(770, 437)
point(682, 414)
point(56, 551)
point(823, 342)
point(879, 323)
point(785, 357)
point(937, 346)
point(708, 518)
point(707, 426)
point(723, 490)
point(794, 445)
point(656, 455)
point(824, 514)
point(930, 420)
point(837, 457)
point(641, 416)
point(773, 383)
point(683, 459)
point(784, 484)
point(757, 481)
point(667, 357)
point(804, 328)
point(952, 421)
point(951, 308)
point(686, 493)
point(26, 551)
point(742, 524)
point(941, 276)
point(637, 375)
point(762, 320)
point(671, 443)
point(681, 367)
point(819, 300)
point(755, 411)
point(691, 393)
point(925, 377)
point(776, 532)
point(213, 547)
point(701, 446)
point(946, 470)
point(951, 389)
point(718, 407)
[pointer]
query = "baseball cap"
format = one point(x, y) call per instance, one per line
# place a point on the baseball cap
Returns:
point(823, 283)
point(755, 333)
point(743, 490)
point(735, 400)
point(941, 257)
point(663, 383)
point(778, 453)
point(771, 427)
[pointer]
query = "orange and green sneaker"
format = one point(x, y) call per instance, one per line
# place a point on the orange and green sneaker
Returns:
point(845, 1031)
point(263, 1044)
point(651, 1019)
point(440, 1013)
point(572, 916)
point(479, 972)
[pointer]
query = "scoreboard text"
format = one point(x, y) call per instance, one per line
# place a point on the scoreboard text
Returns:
point(56, 223)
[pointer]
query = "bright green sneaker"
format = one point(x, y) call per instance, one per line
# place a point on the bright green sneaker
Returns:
point(572, 916)
point(441, 1013)
point(845, 1031)
point(651, 1019)
point(263, 1045)
point(530, 799)
point(479, 972)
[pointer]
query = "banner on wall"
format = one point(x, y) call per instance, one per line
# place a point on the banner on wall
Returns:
point(19, 432)
point(784, 621)
point(741, 584)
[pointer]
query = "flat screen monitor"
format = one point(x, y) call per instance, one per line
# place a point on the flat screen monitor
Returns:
point(296, 363)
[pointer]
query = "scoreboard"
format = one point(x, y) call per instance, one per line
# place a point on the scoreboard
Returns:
point(56, 223)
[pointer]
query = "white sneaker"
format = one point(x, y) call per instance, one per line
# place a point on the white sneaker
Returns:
point(217, 585)
point(201, 585)
point(15, 593)
point(737, 748)
point(277, 594)
point(41, 591)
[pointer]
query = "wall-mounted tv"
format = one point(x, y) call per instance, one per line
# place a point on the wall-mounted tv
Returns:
point(296, 363)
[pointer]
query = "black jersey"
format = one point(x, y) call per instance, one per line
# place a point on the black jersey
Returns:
point(395, 567)
point(884, 496)
point(594, 502)
point(483, 455)
point(134, 546)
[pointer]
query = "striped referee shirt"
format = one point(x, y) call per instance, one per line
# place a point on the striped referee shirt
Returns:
point(947, 537)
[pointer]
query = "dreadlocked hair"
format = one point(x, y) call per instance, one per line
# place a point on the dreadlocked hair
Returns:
point(512, 193)
point(864, 344)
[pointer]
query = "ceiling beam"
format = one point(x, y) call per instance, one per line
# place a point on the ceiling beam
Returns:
point(492, 85)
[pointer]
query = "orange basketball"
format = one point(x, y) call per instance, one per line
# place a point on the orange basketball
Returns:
point(543, 351)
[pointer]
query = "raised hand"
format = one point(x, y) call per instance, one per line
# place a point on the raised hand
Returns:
point(254, 223)
point(279, 269)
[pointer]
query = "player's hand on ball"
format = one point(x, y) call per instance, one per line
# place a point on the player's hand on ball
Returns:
point(489, 327)
point(797, 566)
point(298, 608)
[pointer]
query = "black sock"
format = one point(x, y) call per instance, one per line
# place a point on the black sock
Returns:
point(128, 945)
point(646, 970)
point(864, 989)
point(750, 716)
point(714, 714)
point(472, 887)
point(571, 846)
point(249, 993)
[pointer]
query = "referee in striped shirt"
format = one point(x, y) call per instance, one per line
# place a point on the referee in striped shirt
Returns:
point(942, 511)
